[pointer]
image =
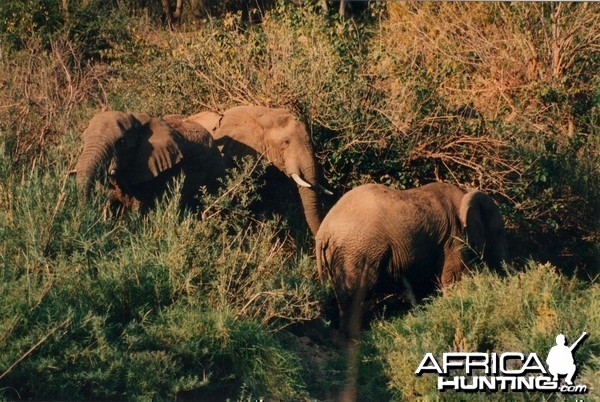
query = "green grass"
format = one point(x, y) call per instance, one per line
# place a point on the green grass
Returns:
point(107, 307)
point(521, 312)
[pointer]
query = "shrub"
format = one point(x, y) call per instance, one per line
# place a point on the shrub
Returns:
point(507, 91)
point(21, 20)
point(44, 94)
point(521, 312)
point(100, 307)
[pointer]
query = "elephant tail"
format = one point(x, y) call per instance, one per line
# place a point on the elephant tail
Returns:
point(323, 259)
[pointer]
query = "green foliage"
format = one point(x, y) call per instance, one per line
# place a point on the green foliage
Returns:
point(97, 28)
point(519, 313)
point(92, 24)
point(20, 20)
point(136, 307)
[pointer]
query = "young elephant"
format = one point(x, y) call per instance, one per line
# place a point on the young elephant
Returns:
point(376, 237)
point(146, 153)
point(277, 135)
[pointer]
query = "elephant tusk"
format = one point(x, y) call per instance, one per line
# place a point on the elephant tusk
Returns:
point(303, 183)
point(299, 181)
point(323, 189)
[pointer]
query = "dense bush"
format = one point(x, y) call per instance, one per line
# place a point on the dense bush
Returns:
point(503, 97)
point(520, 313)
point(139, 306)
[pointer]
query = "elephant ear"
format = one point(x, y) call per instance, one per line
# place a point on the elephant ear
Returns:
point(483, 226)
point(158, 151)
point(209, 120)
point(245, 130)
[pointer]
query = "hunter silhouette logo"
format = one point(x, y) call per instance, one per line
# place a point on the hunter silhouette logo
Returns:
point(506, 372)
point(560, 358)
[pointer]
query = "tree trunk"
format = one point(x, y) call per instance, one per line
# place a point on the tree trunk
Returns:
point(168, 14)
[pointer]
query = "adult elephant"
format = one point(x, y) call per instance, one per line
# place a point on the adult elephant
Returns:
point(378, 238)
point(145, 154)
point(277, 135)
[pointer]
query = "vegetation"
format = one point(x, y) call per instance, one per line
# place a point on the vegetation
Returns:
point(522, 312)
point(503, 97)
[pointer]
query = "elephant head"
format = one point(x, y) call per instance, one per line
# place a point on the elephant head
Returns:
point(99, 139)
point(483, 227)
point(277, 135)
point(144, 153)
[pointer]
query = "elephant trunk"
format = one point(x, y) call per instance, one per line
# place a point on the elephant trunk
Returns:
point(308, 195)
point(312, 210)
point(95, 152)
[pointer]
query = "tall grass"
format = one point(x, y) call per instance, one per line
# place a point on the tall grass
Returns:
point(107, 307)
point(522, 312)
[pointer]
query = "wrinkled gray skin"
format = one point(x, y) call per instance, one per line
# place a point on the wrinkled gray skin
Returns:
point(376, 237)
point(144, 154)
point(280, 137)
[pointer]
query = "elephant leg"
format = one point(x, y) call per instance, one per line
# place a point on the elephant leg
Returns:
point(408, 292)
point(361, 275)
point(350, 323)
point(344, 317)
point(190, 190)
point(351, 317)
point(452, 267)
point(351, 298)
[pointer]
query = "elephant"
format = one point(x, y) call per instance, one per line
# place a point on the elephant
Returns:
point(146, 153)
point(277, 135)
point(379, 239)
